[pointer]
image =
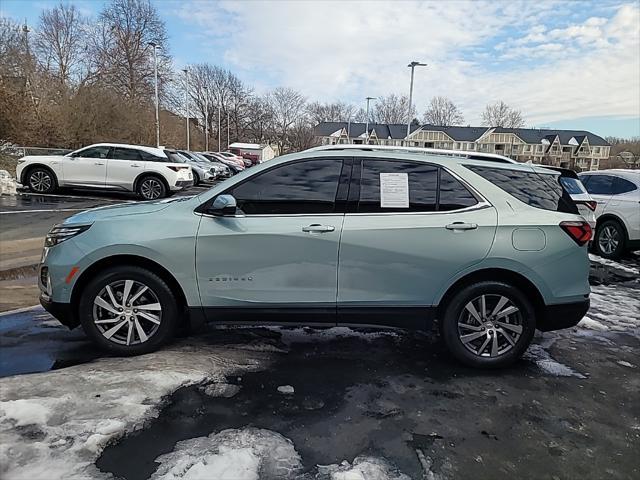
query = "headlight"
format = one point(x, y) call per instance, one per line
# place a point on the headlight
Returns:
point(60, 233)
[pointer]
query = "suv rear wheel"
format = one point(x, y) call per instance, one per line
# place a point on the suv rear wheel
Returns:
point(128, 310)
point(151, 188)
point(610, 239)
point(488, 324)
point(41, 180)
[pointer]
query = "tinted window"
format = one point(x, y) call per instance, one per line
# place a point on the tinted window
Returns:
point(538, 190)
point(423, 182)
point(124, 154)
point(453, 194)
point(175, 157)
point(599, 184)
point(621, 185)
point(573, 186)
point(303, 187)
point(94, 152)
point(150, 157)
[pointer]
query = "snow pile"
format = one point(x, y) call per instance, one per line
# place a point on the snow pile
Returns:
point(316, 335)
point(613, 308)
point(247, 454)
point(538, 354)
point(55, 424)
point(362, 468)
point(7, 183)
point(614, 265)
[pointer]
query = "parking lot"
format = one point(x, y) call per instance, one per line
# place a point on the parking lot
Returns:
point(310, 403)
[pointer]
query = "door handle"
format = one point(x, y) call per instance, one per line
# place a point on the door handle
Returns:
point(317, 228)
point(98, 163)
point(461, 226)
point(135, 165)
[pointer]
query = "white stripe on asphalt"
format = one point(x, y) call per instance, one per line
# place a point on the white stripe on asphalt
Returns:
point(29, 194)
point(43, 211)
point(19, 310)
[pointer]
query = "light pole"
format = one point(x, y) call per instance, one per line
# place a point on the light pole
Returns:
point(218, 127)
point(228, 130)
point(155, 74)
point(412, 65)
point(206, 124)
point(366, 128)
point(186, 100)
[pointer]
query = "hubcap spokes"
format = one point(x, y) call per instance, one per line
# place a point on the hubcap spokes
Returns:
point(609, 240)
point(490, 325)
point(151, 189)
point(40, 181)
point(127, 312)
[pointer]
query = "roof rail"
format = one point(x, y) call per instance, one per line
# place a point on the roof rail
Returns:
point(427, 151)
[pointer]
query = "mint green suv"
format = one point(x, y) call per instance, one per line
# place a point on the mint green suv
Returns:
point(487, 251)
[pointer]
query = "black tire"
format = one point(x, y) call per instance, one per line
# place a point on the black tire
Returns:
point(456, 313)
point(610, 239)
point(157, 291)
point(41, 180)
point(196, 178)
point(151, 187)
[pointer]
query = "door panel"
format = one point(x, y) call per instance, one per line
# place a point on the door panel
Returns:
point(266, 260)
point(89, 168)
point(124, 166)
point(405, 259)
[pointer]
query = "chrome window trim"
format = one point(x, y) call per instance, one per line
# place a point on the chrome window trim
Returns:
point(478, 206)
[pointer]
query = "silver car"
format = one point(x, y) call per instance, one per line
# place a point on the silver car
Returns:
point(487, 251)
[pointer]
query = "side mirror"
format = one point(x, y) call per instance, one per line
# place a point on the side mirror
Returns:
point(223, 205)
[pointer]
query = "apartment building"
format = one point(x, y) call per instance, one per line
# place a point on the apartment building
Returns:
point(576, 149)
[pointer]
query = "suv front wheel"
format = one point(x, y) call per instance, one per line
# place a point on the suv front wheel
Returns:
point(488, 324)
point(128, 310)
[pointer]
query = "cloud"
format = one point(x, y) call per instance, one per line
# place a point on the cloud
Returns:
point(546, 58)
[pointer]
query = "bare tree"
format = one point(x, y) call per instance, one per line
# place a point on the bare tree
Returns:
point(288, 107)
point(12, 48)
point(443, 112)
point(500, 114)
point(330, 112)
point(391, 109)
point(59, 42)
point(121, 53)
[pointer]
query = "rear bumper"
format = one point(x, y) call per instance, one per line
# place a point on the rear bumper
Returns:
point(61, 311)
point(565, 315)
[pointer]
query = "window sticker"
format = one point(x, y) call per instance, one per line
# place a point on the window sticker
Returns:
point(394, 190)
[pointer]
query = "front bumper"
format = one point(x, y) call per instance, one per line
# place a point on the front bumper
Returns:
point(61, 311)
point(564, 315)
point(182, 184)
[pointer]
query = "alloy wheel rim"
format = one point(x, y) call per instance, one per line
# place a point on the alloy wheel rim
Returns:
point(40, 181)
point(490, 325)
point(151, 189)
point(609, 239)
point(127, 312)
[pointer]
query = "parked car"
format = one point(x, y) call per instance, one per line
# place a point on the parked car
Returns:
point(572, 184)
point(489, 251)
point(247, 162)
point(133, 168)
point(201, 173)
point(236, 166)
point(618, 210)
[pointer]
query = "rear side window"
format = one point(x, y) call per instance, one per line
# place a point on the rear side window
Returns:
point(622, 185)
point(306, 187)
point(538, 190)
point(599, 184)
point(422, 183)
point(124, 154)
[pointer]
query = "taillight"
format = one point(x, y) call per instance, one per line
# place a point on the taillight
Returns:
point(580, 232)
point(177, 169)
point(591, 204)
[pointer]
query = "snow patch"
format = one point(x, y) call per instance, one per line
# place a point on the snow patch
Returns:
point(286, 389)
point(545, 362)
point(362, 468)
point(7, 183)
point(613, 264)
point(625, 364)
point(76, 411)
point(315, 335)
point(247, 454)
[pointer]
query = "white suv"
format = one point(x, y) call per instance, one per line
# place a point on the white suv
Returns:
point(618, 210)
point(133, 168)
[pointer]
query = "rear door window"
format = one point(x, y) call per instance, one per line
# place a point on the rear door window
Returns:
point(124, 154)
point(600, 184)
point(536, 189)
point(453, 194)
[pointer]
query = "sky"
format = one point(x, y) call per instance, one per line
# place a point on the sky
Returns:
point(564, 64)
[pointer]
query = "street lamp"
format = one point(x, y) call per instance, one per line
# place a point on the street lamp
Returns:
point(186, 99)
point(366, 128)
point(412, 65)
point(155, 74)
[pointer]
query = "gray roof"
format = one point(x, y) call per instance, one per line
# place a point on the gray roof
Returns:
point(460, 134)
